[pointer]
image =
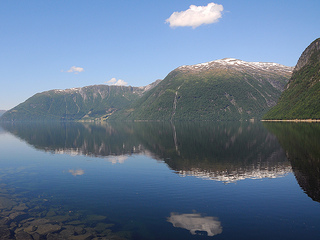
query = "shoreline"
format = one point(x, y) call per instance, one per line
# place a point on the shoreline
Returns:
point(292, 120)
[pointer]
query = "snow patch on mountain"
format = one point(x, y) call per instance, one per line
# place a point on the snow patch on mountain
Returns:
point(236, 64)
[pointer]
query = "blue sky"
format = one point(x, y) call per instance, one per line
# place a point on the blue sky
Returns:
point(57, 44)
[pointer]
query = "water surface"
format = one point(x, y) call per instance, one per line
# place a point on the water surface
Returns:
point(160, 180)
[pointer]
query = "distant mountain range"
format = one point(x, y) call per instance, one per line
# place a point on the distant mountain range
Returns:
point(86, 103)
point(301, 99)
point(226, 89)
point(2, 112)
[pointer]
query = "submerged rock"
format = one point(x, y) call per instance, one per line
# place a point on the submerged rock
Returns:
point(23, 236)
point(23, 218)
point(75, 222)
point(20, 207)
point(85, 236)
point(51, 213)
point(100, 227)
point(30, 229)
point(55, 236)
point(40, 221)
point(61, 218)
point(68, 232)
point(48, 228)
point(6, 203)
point(4, 220)
point(96, 217)
point(18, 216)
point(5, 233)
point(36, 236)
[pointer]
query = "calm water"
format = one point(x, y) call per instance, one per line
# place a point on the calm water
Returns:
point(160, 181)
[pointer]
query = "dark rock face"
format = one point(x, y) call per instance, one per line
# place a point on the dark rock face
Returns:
point(305, 56)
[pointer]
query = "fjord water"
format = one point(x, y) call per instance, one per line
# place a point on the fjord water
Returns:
point(143, 180)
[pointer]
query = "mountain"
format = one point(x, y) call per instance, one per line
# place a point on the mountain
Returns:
point(301, 98)
point(226, 89)
point(2, 112)
point(86, 103)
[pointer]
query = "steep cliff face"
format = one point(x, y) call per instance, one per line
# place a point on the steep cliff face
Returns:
point(301, 99)
point(226, 89)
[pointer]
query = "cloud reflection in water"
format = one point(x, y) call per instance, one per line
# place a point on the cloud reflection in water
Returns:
point(77, 172)
point(117, 159)
point(195, 223)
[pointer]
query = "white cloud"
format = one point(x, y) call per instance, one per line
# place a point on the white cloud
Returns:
point(116, 82)
point(196, 16)
point(113, 80)
point(75, 70)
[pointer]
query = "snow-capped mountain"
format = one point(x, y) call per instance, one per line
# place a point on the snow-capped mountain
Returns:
point(225, 89)
point(238, 64)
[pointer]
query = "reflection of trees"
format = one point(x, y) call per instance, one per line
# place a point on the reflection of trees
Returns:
point(202, 144)
point(222, 151)
point(196, 223)
point(301, 143)
point(76, 138)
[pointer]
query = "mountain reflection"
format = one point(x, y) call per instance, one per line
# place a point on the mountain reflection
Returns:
point(196, 223)
point(219, 151)
point(301, 143)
